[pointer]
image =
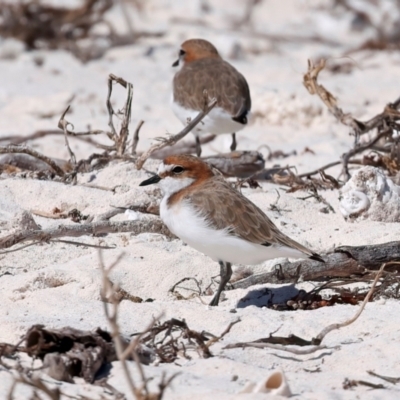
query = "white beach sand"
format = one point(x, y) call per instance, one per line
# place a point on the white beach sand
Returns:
point(59, 285)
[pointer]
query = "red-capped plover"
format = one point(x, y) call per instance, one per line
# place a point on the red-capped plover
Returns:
point(208, 214)
point(204, 71)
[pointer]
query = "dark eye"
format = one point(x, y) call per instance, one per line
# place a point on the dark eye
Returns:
point(182, 52)
point(177, 170)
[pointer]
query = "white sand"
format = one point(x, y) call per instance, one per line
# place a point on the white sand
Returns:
point(58, 284)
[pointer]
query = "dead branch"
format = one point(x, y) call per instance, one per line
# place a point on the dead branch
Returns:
point(286, 176)
point(64, 125)
point(108, 293)
point(147, 208)
point(184, 147)
point(241, 164)
point(280, 343)
point(28, 150)
point(315, 195)
point(317, 171)
point(36, 384)
point(390, 379)
point(320, 337)
point(14, 163)
point(119, 138)
point(224, 333)
point(123, 351)
point(310, 81)
point(173, 338)
point(350, 383)
point(136, 137)
point(385, 122)
point(261, 345)
point(345, 261)
point(95, 228)
point(330, 165)
point(359, 149)
point(171, 140)
point(19, 139)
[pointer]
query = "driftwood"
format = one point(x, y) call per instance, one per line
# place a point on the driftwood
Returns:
point(344, 262)
point(280, 343)
point(96, 228)
point(29, 163)
point(241, 164)
point(28, 150)
point(186, 147)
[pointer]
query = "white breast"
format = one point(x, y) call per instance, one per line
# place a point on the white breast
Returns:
point(185, 223)
point(217, 121)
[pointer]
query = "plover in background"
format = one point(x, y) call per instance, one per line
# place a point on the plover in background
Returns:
point(204, 71)
point(208, 214)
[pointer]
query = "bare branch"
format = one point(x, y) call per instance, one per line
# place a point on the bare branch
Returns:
point(124, 131)
point(95, 228)
point(28, 150)
point(280, 347)
point(320, 337)
point(241, 164)
point(110, 107)
point(316, 342)
point(18, 139)
point(108, 293)
point(310, 81)
point(136, 137)
point(359, 149)
point(64, 125)
point(175, 138)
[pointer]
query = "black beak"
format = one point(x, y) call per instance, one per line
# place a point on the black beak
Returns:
point(150, 181)
point(176, 63)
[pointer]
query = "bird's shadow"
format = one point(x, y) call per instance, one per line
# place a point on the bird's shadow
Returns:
point(266, 297)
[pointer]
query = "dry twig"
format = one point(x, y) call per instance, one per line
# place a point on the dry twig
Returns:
point(280, 343)
point(135, 140)
point(385, 122)
point(163, 142)
point(111, 308)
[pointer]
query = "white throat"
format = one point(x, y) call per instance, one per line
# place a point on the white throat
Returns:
point(169, 185)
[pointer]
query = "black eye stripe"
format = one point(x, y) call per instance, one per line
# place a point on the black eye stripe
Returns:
point(181, 52)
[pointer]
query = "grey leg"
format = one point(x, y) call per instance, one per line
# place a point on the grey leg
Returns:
point(226, 273)
point(233, 145)
point(198, 147)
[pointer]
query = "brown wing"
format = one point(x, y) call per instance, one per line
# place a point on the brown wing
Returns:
point(220, 79)
point(227, 208)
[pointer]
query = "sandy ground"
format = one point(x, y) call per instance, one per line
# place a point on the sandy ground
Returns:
point(58, 284)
